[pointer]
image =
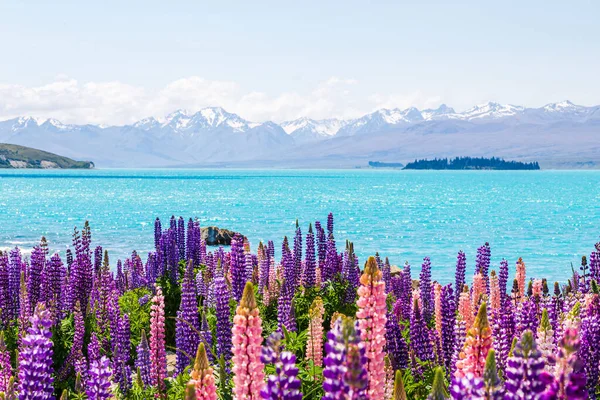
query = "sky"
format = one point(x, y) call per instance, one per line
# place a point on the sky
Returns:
point(115, 62)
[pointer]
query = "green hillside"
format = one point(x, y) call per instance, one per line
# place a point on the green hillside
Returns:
point(14, 156)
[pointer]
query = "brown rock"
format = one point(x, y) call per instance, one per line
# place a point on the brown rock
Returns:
point(214, 236)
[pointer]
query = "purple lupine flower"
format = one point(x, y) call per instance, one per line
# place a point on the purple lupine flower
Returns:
point(190, 242)
point(142, 362)
point(206, 337)
point(570, 382)
point(263, 268)
point(595, 264)
point(448, 334)
point(97, 259)
point(34, 276)
point(483, 263)
point(321, 245)
point(406, 292)
point(53, 287)
point(331, 261)
point(287, 263)
point(284, 384)
point(6, 307)
point(187, 325)
point(343, 333)
point(121, 280)
point(469, 387)
point(75, 357)
point(309, 259)
point(69, 254)
point(527, 316)
point(98, 380)
point(298, 253)
point(35, 358)
point(151, 269)
point(525, 375)
point(330, 224)
point(387, 275)
point(181, 237)
point(426, 290)
point(223, 321)
point(238, 267)
point(504, 329)
point(357, 377)
point(396, 347)
point(419, 335)
point(5, 367)
point(93, 348)
point(14, 278)
point(121, 355)
point(285, 312)
point(590, 351)
point(503, 280)
point(461, 267)
point(157, 234)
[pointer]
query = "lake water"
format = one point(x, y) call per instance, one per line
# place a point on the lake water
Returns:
point(550, 218)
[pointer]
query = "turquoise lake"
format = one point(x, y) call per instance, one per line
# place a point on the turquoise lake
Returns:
point(550, 218)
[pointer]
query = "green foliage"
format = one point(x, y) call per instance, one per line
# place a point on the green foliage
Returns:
point(172, 292)
point(139, 315)
point(419, 387)
point(176, 387)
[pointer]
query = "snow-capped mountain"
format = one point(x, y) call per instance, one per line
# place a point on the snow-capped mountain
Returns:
point(213, 136)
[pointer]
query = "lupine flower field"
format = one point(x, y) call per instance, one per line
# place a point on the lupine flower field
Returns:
point(190, 322)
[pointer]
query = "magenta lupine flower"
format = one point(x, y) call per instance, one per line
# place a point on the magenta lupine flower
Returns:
point(309, 259)
point(525, 375)
point(187, 325)
point(142, 362)
point(98, 380)
point(35, 358)
point(223, 323)
point(238, 267)
point(158, 357)
point(284, 384)
point(371, 318)
point(461, 267)
point(247, 368)
point(426, 289)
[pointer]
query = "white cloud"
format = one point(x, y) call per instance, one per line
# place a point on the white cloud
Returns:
point(115, 102)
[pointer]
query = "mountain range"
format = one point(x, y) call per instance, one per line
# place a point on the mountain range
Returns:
point(557, 135)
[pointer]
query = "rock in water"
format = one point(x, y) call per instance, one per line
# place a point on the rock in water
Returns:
point(214, 236)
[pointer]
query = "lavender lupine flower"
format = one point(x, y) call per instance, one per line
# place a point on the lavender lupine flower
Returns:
point(121, 355)
point(142, 362)
point(309, 259)
point(396, 347)
point(590, 337)
point(343, 375)
point(448, 338)
point(331, 261)
point(426, 289)
point(469, 387)
point(35, 358)
point(187, 325)
point(461, 267)
point(14, 278)
point(34, 276)
point(525, 375)
point(5, 367)
point(284, 384)
point(238, 267)
point(157, 233)
point(419, 335)
point(223, 321)
point(503, 280)
point(181, 237)
point(98, 383)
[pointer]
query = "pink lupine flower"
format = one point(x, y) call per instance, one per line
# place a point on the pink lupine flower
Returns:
point(520, 277)
point(389, 380)
point(202, 376)
point(314, 345)
point(464, 307)
point(478, 291)
point(537, 287)
point(477, 344)
point(437, 291)
point(158, 356)
point(371, 316)
point(247, 369)
point(494, 292)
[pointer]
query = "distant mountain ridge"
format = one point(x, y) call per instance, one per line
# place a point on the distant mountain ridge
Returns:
point(559, 134)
